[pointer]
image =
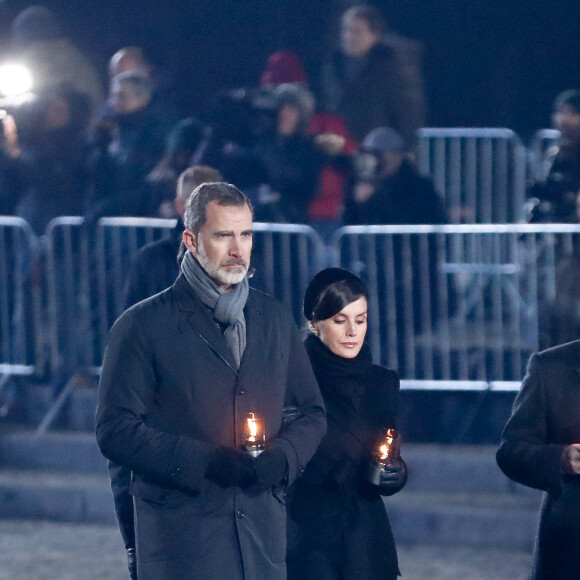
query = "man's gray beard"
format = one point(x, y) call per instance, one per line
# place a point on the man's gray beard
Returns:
point(216, 273)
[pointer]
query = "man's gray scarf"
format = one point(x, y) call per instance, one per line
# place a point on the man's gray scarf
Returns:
point(228, 307)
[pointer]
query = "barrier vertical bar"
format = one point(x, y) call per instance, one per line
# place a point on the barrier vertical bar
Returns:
point(471, 177)
point(4, 295)
point(502, 203)
point(455, 191)
point(486, 183)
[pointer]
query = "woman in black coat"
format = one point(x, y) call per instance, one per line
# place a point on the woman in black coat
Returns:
point(338, 526)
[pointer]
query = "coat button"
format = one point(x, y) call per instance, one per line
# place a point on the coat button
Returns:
point(240, 514)
point(241, 392)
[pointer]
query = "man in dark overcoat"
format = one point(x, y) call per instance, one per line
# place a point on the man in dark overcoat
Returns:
point(182, 371)
point(374, 80)
point(540, 448)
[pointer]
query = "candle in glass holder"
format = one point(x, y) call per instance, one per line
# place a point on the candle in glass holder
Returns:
point(387, 452)
point(253, 435)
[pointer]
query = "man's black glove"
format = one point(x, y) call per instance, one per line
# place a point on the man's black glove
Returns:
point(393, 477)
point(231, 467)
point(271, 466)
point(132, 563)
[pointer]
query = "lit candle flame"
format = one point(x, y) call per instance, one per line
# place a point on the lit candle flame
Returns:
point(386, 447)
point(253, 434)
point(386, 452)
point(252, 428)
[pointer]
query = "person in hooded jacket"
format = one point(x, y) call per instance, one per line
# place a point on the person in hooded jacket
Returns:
point(290, 159)
point(337, 522)
point(125, 149)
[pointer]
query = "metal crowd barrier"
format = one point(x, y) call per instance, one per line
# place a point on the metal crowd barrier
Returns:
point(456, 306)
point(481, 173)
point(70, 301)
point(285, 258)
point(118, 239)
point(21, 326)
point(462, 306)
point(87, 271)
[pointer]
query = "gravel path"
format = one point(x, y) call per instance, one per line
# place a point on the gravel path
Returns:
point(52, 551)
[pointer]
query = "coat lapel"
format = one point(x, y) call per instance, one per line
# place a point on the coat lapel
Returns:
point(199, 319)
point(255, 340)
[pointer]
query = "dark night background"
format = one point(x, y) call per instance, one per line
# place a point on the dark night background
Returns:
point(486, 62)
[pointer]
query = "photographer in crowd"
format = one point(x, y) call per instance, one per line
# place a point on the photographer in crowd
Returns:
point(387, 188)
point(555, 198)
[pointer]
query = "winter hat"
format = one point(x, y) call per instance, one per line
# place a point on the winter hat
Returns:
point(299, 96)
point(330, 291)
point(384, 140)
point(35, 23)
point(283, 67)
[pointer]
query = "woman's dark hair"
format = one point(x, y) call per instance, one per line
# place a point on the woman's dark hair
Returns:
point(330, 291)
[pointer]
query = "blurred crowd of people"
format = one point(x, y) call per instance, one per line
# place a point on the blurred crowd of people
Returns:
point(344, 156)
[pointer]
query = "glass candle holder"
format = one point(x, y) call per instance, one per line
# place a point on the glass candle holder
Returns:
point(253, 435)
point(387, 452)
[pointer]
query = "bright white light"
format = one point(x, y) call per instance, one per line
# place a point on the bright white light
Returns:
point(14, 80)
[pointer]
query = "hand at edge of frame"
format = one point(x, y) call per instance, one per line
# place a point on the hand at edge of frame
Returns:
point(571, 459)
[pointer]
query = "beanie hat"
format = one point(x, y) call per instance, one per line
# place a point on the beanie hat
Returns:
point(283, 66)
point(35, 23)
point(299, 96)
point(384, 139)
point(319, 285)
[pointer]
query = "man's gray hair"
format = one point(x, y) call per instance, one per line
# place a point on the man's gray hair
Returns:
point(223, 193)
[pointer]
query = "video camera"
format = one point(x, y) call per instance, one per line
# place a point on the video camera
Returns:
point(243, 115)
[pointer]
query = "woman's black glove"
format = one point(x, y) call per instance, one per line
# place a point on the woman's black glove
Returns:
point(132, 563)
point(271, 466)
point(231, 467)
point(393, 477)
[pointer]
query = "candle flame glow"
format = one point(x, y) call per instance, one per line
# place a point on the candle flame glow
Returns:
point(252, 428)
point(253, 436)
point(386, 447)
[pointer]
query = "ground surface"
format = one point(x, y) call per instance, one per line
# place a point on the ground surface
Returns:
point(50, 551)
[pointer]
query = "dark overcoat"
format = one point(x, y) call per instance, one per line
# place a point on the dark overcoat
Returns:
point(546, 419)
point(403, 198)
point(380, 95)
point(169, 394)
point(338, 525)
